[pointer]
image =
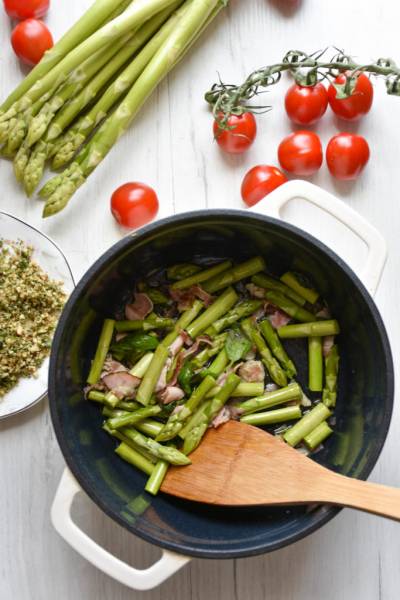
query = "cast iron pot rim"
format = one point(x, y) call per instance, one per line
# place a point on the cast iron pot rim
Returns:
point(326, 513)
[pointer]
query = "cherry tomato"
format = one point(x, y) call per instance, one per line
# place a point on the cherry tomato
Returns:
point(30, 40)
point(358, 104)
point(134, 204)
point(346, 155)
point(306, 105)
point(26, 9)
point(260, 181)
point(240, 138)
point(301, 153)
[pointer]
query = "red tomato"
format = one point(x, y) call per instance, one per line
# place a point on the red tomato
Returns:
point(240, 138)
point(30, 40)
point(301, 153)
point(260, 181)
point(26, 9)
point(346, 155)
point(306, 105)
point(358, 104)
point(134, 204)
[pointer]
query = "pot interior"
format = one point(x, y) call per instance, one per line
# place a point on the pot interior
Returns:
point(365, 386)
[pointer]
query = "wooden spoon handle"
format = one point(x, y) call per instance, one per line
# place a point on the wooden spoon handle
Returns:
point(363, 495)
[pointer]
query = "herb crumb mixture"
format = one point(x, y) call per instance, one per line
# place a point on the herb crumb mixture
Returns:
point(30, 303)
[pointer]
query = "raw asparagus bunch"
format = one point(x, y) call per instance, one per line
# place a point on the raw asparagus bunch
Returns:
point(86, 91)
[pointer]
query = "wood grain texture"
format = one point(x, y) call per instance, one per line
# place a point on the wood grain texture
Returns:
point(355, 556)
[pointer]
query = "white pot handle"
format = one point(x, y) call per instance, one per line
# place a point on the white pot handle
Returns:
point(376, 259)
point(136, 579)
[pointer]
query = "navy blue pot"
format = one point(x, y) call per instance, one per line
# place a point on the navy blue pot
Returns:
point(365, 389)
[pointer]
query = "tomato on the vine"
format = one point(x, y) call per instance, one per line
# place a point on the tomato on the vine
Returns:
point(301, 153)
point(260, 181)
point(346, 155)
point(134, 204)
point(306, 104)
point(30, 40)
point(239, 136)
point(355, 106)
point(26, 9)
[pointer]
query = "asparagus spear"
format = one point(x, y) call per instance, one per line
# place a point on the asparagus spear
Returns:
point(218, 308)
point(195, 419)
point(291, 308)
point(149, 427)
point(315, 366)
point(133, 457)
point(331, 373)
point(184, 321)
point(205, 355)
point(270, 399)
point(236, 273)
point(87, 24)
point(168, 453)
point(243, 390)
point(310, 421)
point(274, 369)
point(153, 321)
point(316, 329)
point(194, 436)
point(245, 308)
point(280, 415)
point(177, 420)
point(157, 477)
point(142, 365)
point(198, 14)
point(269, 283)
point(201, 276)
point(218, 365)
point(133, 417)
point(277, 349)
point(123, 407)
point(101, 352)
point(305, 292)
point(317, 435)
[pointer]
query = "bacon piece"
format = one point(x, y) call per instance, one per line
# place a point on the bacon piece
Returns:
point(139, 308)
point(252, 371)
point(112, 366)
point(98, 387)
point(178, 367)
point(187, 340)
point(255, 291)
point(279, 319)
point(271, 387)
point(170, 394)
point(162, 380)
point(327, 343)
point(222, 417)
point(185, 298)
point(222, 378)
point(324, 313)
point(122, 384)
point(201, 294)
point(176, 346)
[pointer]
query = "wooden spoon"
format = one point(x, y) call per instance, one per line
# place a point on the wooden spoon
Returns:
point(241, 465)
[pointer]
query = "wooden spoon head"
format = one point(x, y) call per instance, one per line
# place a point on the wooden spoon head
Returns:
point(241, 465)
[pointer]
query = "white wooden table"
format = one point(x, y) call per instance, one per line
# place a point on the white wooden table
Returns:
point(354, 557)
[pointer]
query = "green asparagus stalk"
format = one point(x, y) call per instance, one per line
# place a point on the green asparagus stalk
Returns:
point(196, 418)
point(317, 435)
point(243, 390)
point(133, 457)
point(139, 370)
point(93, 18)
point(291, 308)
point(218, 365)
point(280, 415)
point(331, 373)
point(122, 406)
point(168, 453)
point(194, 436)
point(209, 352)
point(101, 352)
point(199, 12)
point(152, 375)
point(293, 282)
point(315, 364)
point(307, 424)
point(277, 349)
point(274, 369)
point(122, 438)
point(176, 421)
point(184, 321)
point(149, 427)
point(236, 273)
point(133, 417)
point(201, 276)
point(269, 283)
point(128, 405)
point(34, 168)
point(245, 308)
point(316, 329)
point(287, 394)
point(218, 308)
point(151, 322)
point(96, 396)
point(157, 477)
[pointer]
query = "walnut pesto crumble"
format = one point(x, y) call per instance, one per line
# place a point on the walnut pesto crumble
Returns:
point(30, 304)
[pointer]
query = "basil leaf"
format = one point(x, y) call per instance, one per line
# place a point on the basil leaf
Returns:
point(237, 345)
point(185, 377)
point(134, 344)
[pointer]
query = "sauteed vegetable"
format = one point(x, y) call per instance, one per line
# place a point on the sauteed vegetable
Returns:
point(197, 346)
